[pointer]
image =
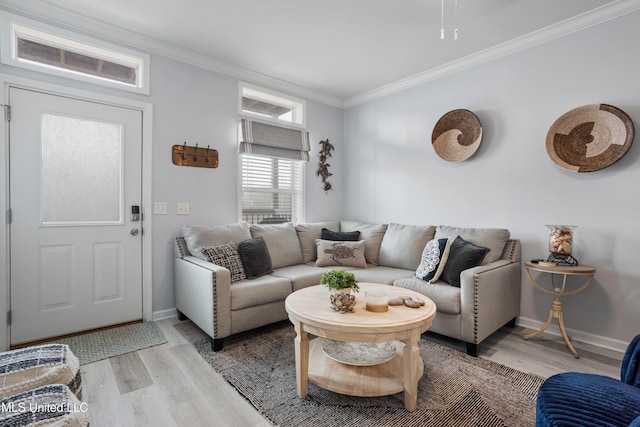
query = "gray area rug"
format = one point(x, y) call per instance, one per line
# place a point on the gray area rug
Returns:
point(456, 389)
point(106, 343)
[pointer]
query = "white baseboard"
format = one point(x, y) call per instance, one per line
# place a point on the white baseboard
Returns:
point(165, 314)
point(585, 337)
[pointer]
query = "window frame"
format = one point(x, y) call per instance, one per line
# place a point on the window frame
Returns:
point(15, 27)
point(297, 105)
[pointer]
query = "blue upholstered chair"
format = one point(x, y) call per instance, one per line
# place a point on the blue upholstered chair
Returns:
point(581, 400)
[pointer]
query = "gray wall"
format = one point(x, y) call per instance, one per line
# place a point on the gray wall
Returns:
point(386, 171)
point(200, 106)
point(196, 105)
point(393, 174)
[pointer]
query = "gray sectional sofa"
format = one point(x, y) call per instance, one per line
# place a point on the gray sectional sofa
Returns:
point(487, 298)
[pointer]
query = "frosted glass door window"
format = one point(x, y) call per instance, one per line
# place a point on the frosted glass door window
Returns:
point(81, 171)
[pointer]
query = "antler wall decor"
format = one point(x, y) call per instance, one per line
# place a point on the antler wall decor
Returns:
point(323, 169)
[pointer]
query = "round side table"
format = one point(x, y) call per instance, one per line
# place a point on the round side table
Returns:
point(556, 307)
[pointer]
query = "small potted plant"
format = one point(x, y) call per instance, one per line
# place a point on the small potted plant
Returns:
point(341, 283)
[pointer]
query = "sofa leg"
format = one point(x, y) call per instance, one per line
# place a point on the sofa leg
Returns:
point(181, 316)
point(217, 343)
point(512, 323)
point(473, 349)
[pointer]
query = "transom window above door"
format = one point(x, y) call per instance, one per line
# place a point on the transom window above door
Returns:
point(37, 46)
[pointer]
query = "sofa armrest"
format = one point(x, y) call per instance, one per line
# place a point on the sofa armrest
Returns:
point(203, 294)
point(490, 298)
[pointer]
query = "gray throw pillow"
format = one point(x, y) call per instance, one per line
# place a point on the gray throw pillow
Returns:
point(255, 257)
point(226, 256)
point(462, 256)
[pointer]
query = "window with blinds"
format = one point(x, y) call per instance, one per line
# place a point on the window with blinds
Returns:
point(272, 156)
point(271, 190)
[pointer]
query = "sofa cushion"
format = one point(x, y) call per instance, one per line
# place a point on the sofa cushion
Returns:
point(344, 254)
point(307, 235)
point(262, 290)
point(372, 235)
point(402, 245)
point(226, 256)
point(255, 257)
point(462, 256)
point(446, 297)
point(340, 236)
point(202, 236)
point(282, 242)
point(434, 258)
point(380, 274)
point(302, 275)
point(492, 238)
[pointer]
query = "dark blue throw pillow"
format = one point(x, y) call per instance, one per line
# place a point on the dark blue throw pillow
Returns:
point(462, 256)
point(340, 236)
point(255, 257)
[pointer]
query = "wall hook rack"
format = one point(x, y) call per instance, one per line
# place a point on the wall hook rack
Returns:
point(188, 155)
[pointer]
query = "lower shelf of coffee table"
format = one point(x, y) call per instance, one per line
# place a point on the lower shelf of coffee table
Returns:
point(366, 381)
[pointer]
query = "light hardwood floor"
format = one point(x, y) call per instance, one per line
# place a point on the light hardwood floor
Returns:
point(171, 385)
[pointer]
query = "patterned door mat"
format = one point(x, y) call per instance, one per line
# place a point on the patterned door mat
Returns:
point(106, 343)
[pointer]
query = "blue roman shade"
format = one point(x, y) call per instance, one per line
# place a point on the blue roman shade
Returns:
point(262, 139)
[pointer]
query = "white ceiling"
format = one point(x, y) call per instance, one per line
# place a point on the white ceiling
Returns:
point(340, 50)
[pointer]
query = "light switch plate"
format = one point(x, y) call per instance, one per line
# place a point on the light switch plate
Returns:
point(182, 208)
point(160, 208)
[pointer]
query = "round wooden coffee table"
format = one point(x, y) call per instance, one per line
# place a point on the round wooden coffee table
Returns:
point(310, 311)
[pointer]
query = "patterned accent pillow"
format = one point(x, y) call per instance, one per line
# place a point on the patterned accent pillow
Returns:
point(434, 258)
point(346, 254)
point(462, 256)
point(226, 256)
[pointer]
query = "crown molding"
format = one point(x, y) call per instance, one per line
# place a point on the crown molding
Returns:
point(580, 22)
point(54, 15)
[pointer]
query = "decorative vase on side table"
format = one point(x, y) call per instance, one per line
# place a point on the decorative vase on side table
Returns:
point(561, 244)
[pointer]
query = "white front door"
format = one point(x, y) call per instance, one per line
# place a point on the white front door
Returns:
point(76, 250)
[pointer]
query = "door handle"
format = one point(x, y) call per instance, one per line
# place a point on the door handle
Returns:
point(134, 231)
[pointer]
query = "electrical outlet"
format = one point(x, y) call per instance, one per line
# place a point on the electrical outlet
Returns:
point(182, 208)
point(160, 208)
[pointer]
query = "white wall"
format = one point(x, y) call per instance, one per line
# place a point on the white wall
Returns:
point(393, 173)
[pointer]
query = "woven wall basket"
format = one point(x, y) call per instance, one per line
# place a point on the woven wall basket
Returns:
point(590, 138)
point(457, 135)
